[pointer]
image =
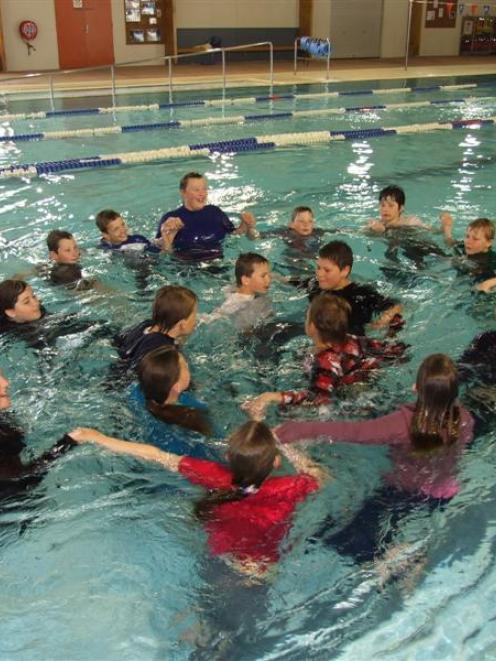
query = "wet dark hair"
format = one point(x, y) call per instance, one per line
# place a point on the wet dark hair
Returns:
point(298, 210)
point(105, 217)
point(10, 290)
point(66, 274)
point(158, 371)
point(190, 175)
point(436, 415)
point(55, 237)
point(245, 265)
point(394, 192)
point(338, 252)
point(251, 453)
point(330, 314)
point(172, 304)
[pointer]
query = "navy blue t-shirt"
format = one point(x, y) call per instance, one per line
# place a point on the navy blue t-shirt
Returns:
point(203, 232)
point(134, 343)
point(134, 242)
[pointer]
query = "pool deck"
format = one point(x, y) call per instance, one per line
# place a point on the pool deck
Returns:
point(247, 73)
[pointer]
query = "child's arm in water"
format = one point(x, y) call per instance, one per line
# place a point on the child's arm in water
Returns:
point(304, 464)
point(376, 226)
point(387, 316)
point(487, 286)
point(139, 450)
point(447, 228)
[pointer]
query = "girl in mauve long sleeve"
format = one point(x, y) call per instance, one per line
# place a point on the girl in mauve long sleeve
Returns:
point(425, 439)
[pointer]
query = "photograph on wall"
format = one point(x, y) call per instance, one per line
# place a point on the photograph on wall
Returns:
point(133, 16)
point(138, 36)
point(153, 35)
point(148, 8)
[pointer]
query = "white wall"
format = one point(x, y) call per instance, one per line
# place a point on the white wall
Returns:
point(128, 52)
point(236, 13)
point(46, 55)
point(394, 28)
point(321, 19)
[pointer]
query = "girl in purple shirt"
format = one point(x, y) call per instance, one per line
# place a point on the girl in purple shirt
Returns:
point(426, 440)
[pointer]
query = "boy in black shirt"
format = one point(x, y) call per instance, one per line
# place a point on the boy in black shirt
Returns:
point(474, 255)
point(334, 265)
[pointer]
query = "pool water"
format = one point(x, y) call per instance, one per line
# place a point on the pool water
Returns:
point(105, 560)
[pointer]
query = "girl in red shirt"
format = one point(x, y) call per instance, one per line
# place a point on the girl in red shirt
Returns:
point(247, 513)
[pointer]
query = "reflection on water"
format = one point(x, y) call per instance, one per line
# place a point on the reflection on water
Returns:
point(110, 560)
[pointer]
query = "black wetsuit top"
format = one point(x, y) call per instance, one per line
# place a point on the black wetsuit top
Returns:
point(15, 476)
point(365, 302)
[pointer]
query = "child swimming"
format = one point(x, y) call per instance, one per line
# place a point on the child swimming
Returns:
point(338, 358)
point(195, 231)
point(173, 320)
point(164, 377)
point(391, 207)
point(16, 477)
point(474, 255)
point(426, 440)
point(18, 304)
point(368, 306)
point(246, 512)
point(246, 303)
point(62, 247)
point(115, 234)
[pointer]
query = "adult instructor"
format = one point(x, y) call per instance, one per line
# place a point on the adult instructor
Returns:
point(195, 230)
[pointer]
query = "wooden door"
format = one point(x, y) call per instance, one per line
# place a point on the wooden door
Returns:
point(84, 33)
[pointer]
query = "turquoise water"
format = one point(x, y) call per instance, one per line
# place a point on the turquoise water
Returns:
point(109, 563)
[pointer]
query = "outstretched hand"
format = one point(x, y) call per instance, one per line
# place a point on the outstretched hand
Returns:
point(85, 435)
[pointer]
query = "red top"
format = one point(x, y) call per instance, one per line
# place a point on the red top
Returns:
point(342, 365)
point(251, 528)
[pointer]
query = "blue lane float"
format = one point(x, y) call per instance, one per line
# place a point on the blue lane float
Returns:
point(237, 119)
point(154, 107)
point(234, 146)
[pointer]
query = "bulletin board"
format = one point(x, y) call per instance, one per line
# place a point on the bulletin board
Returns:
point(441, 13)
point(143, 22)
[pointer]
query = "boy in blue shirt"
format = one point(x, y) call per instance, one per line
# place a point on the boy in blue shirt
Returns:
point(115, 234)
point(195, 230)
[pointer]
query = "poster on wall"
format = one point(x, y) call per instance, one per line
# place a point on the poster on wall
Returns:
point(141, 17)
point(153, 35)
point(441, 14)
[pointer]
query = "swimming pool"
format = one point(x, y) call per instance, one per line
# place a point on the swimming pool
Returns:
point(109, 564)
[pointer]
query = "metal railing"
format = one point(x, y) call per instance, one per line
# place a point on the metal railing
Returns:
point(167, 58)
point(296, 58)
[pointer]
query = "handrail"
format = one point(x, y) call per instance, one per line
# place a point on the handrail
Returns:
point(165, 58)
point(297, 58)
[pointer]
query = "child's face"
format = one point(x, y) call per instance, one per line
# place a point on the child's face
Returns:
point(259, 281)
point(303, 223)
point(4, 393)
point(389, 209)
point(330, 276)
point(195, 194)
point(27, 308)
point(476, 241)
point(67, 253)
point(117, 231)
